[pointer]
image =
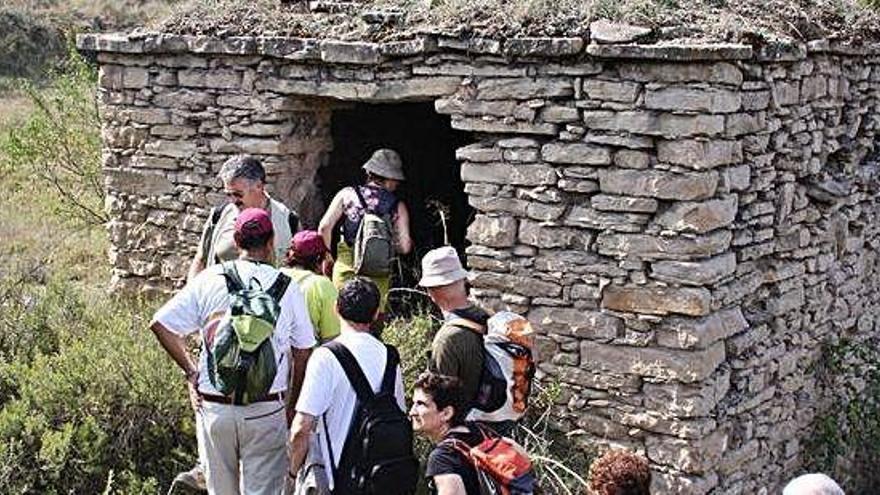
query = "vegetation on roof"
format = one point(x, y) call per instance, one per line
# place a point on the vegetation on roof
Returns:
point(695, 20)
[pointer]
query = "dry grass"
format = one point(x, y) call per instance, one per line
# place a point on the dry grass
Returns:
point(711, 20)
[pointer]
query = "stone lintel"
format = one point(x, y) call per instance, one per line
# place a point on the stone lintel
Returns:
point(543, 46)
point(673, 52)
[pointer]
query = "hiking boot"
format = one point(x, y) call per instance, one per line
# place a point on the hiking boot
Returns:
point(194, 478)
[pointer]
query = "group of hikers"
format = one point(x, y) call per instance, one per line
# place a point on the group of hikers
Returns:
point(293, 389)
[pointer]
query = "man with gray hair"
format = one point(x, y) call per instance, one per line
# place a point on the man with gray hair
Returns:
point(244, 181)
point(812, 484)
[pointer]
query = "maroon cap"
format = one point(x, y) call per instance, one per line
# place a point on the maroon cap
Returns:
point(253, 222)
point(307, 244)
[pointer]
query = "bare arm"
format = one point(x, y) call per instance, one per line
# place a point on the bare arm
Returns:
point(449, 484)
point(330, 219)
point(196, 265)
point(401, 228)
point(175, 346)
point(298, 372)
point(303, 425)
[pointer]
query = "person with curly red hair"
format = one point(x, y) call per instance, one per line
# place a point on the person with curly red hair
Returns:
point(619, 472)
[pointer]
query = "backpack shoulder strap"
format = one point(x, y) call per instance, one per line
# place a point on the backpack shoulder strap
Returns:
point(293, 221)
point(352, 370)
point(467, 324)
point(279, 287)
point(360, 195)
point(390, 376)
point(216, 213)
point(233, 280)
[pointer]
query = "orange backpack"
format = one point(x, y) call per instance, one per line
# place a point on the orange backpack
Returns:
point(503, 466)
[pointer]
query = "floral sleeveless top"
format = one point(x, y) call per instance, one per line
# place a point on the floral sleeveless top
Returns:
point(379, 200)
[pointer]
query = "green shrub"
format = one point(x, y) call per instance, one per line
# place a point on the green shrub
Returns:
point(59, 145)
point(846, 438)
point(28, 43)
point(90, 401)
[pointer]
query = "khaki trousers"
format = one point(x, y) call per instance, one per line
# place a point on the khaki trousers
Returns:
point(244, 448)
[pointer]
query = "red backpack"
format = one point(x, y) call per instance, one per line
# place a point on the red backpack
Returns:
point(503, 466)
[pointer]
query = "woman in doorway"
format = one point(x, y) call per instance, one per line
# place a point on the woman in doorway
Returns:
point(384, 174)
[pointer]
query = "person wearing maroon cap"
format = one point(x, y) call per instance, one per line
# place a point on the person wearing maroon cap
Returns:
point(305, 260)
point(243, 447)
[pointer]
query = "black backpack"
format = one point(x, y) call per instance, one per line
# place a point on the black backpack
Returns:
point(377, 457)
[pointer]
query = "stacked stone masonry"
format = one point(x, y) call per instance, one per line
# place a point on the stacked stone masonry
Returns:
point(686, 226)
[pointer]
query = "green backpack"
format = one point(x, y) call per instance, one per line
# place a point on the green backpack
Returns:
point(241, 360)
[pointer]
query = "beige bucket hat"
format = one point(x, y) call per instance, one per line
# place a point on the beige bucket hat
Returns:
point(441, 267)
point(385, 163)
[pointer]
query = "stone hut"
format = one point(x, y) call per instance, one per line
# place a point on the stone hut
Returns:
point(686, 225)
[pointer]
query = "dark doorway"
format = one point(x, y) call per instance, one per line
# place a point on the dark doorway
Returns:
point(426, 142)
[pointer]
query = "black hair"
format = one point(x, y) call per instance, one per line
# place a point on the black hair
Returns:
point(248, 242)
point(445, 391)
point(358, 300)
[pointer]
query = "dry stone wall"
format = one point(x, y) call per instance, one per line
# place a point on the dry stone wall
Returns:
point(685, 225)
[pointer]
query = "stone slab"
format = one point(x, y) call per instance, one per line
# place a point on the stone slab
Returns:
point(673, 52)
point(657, 300)
point(662, 364)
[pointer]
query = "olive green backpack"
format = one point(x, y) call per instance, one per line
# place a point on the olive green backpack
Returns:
point(241, 359)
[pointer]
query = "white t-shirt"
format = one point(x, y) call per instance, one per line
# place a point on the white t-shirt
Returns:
point(326, 389)
point(203, 303)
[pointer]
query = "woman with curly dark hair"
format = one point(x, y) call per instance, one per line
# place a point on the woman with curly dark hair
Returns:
point(619, 472)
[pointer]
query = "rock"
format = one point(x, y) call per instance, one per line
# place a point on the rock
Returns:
point(478, 152)
point(605, 202)
point(659, 184)
point(690, 456)
point(492, 231)
point(657, 300)
point(645, 71)
point(503, 173)
point(543, 47)
point(576, 153)
point(174, 149)
point(213, 79)
point(137, 183)
point(502, 126)
point(829, 190)
point(624, 92)
point(343, 52)
point(621, 140)
point(523, 89)
point(703, 272)
point(559, 114)
point(655, 124)
point(685, 52)
point(687, 401)
point(606, 32)
point(677, 98)
point(700, 333)
point(648, 247)
point(544, 212)
point(699, 217)
point(602, 220)
point(414, 88)
point(547, 236)
point(681, 484)
point(451, 106)
point(516, 284)
point(408, 48)
point(699, 154)
point(632, 159)
point(662, 364)
point(581, 324)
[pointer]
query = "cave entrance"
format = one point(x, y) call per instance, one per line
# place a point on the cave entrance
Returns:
point(426, 143)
